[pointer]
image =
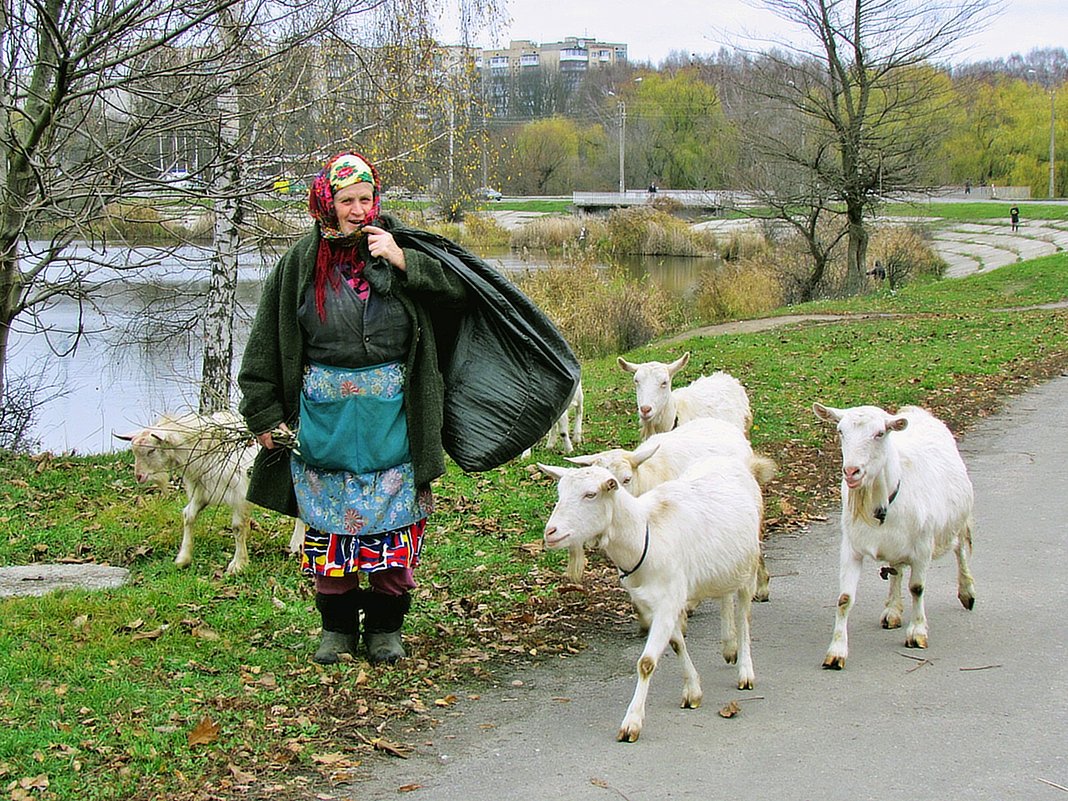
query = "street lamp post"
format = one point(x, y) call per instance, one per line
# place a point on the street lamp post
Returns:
point(622, 144)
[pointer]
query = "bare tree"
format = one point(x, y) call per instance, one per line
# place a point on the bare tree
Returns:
point(91, 92)
point(855, 115)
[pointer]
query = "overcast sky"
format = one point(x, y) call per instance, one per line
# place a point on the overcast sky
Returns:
point(651, 30)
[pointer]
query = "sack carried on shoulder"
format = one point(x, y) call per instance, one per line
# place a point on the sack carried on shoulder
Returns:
point(509, 373)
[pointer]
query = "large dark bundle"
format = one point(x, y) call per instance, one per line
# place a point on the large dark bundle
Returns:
point(509, 373)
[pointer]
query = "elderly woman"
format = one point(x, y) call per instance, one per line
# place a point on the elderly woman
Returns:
point(343, 351)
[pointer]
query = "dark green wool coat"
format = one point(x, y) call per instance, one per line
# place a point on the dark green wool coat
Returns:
point(272, 369)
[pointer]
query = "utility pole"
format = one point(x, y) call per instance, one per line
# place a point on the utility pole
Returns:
point(622, 145)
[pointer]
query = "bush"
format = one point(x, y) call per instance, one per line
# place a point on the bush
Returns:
point(636, 231)
point(481, 232)
point(905, 253)
point(136, 222)
point(738, 290)
point(599, 312)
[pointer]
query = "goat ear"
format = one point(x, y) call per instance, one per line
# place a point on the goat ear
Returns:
point(679, 363)
point(828, 413)
point(584, 461)
point(610, 485)
point(555, 473)
point(897, 424)
point(624, 365)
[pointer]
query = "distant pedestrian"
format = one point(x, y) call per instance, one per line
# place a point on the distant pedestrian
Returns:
point(652, 189)
point(967, 187)
point(878, 272)
point(1014, 217)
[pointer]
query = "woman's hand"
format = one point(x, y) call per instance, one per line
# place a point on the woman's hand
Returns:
point(382, 245)
point(267, 441)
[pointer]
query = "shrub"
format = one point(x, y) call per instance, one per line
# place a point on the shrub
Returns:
point(136, 222)
point(905, 253)
point(553, 233)
point(599, 311)
point(638, 231)
point(481, 232)
point(738, 290)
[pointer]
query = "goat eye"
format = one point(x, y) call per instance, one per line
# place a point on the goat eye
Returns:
point(589, 495)
point(626, 480)
point(880, 434)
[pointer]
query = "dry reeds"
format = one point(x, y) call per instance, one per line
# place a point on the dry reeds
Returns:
point(599, 311)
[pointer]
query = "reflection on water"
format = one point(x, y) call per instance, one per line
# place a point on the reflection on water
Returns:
point(138, 351)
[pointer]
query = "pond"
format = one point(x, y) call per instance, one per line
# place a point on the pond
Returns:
point(138, 355)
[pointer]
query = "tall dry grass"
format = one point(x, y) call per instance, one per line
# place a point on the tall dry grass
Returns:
point(635, 231)
point(599, 311)
point(905, 252)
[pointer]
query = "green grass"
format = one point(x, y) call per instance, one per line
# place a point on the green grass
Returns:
point(977, 211)
point(102, 691)
point(1028, 283)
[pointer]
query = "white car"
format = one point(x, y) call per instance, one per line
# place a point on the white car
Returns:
point(487, 193)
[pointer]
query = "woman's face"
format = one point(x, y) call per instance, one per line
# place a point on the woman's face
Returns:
point(352, 204)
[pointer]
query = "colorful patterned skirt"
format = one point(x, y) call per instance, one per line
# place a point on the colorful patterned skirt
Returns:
point(367, 521)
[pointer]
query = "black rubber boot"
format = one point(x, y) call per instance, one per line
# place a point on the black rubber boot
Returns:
point(341, 625)
point(383, 617)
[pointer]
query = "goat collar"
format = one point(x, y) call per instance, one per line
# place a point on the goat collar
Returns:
point(880, 511)
point(645, 550)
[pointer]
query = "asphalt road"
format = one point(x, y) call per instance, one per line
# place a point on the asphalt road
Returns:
point(984, 715)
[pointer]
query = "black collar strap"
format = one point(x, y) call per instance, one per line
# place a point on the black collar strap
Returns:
point(624, 573)
point(880, 512)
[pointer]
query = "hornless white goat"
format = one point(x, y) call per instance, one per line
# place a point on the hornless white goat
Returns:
point(660, 408)
point(665, 456)
point(906, 499)
point(212, 457)
point(688, 539)
point(571, 418)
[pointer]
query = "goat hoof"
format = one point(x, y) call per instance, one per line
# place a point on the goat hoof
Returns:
point(916, 641)
point(834, 662)
point(628, 735)
point(891, 622)
point(967, 601)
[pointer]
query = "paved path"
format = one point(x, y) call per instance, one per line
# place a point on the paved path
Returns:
point(984, 717)
point(970, 248)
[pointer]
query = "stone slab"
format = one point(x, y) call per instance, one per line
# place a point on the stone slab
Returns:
point(45, 578)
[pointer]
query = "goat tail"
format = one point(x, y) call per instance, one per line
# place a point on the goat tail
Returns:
point(762, 468)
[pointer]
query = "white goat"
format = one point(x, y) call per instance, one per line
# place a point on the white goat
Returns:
point(664, 457)
point(212, 458)
point(571, 419)
point(906, 500)
point(660, 408)
point(686, 540)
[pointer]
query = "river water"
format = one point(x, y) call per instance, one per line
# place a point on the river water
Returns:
point(138, 351)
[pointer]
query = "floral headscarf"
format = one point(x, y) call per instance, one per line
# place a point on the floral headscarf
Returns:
point(337, 259)
point(342, 170)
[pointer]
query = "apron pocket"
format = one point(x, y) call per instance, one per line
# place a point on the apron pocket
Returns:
point(357, 433)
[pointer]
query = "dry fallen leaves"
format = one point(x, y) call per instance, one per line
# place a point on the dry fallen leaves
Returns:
point(205, 732)
point(730, 710)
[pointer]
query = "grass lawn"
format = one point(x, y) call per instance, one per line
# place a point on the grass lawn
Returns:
point(189, 684)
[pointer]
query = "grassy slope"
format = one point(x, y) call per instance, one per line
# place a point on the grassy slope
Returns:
point(102, 692)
